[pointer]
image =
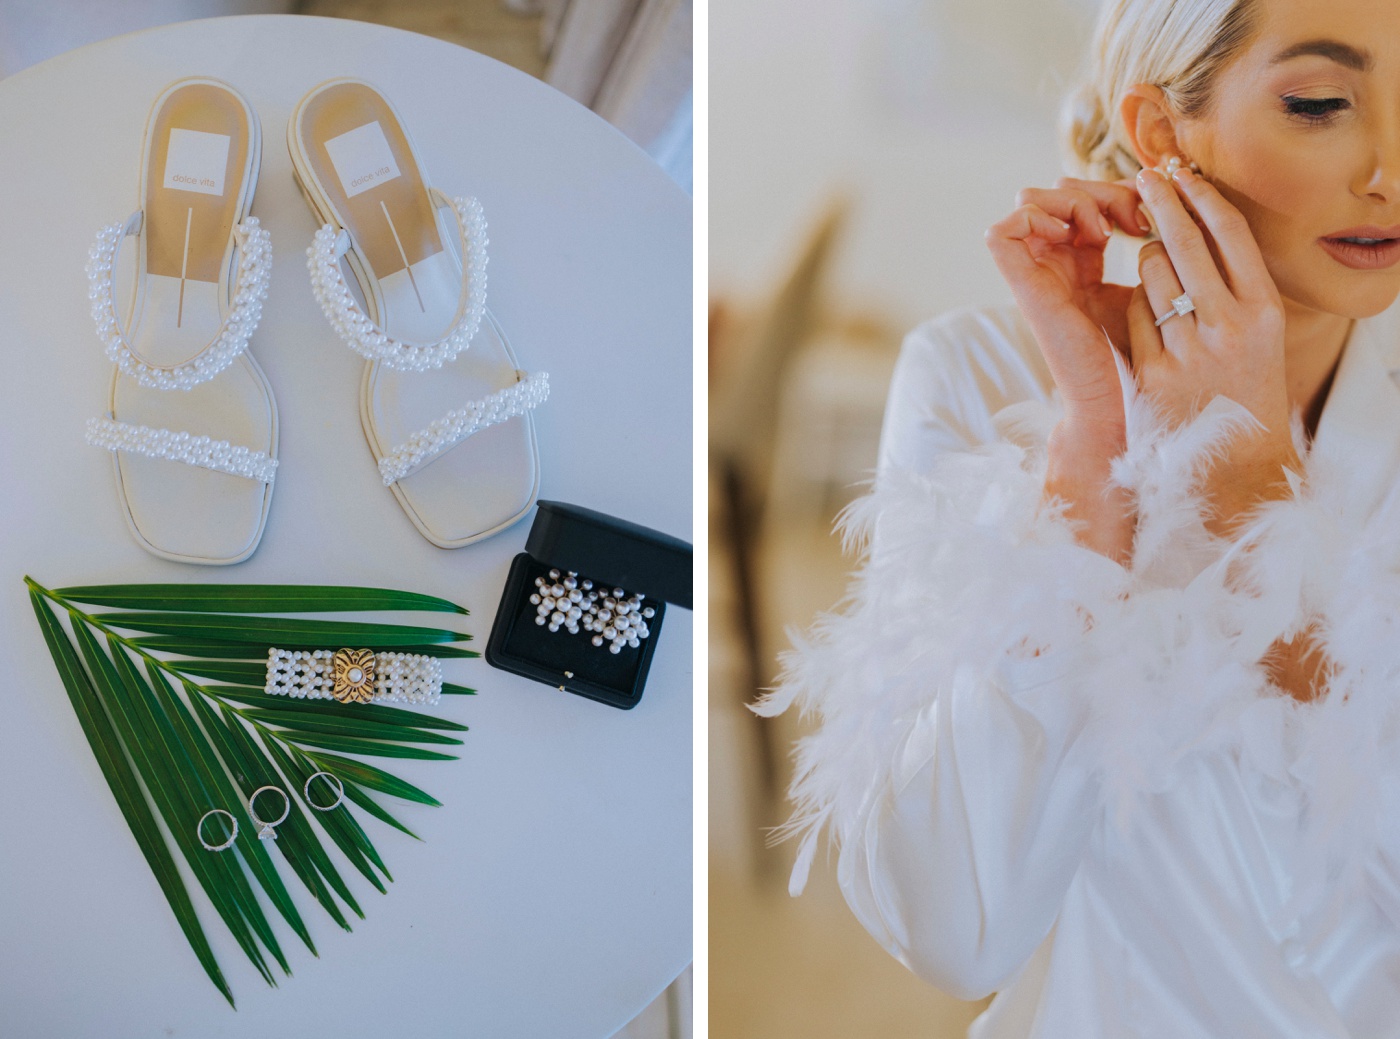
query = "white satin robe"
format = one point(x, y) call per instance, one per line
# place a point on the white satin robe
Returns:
point(1070, 783)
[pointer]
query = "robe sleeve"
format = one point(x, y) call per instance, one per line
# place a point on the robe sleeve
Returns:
point(989, 688)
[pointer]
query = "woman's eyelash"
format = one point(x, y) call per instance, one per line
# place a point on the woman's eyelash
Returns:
point(1315, 109)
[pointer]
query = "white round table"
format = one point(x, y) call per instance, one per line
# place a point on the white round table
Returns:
point(551, 895)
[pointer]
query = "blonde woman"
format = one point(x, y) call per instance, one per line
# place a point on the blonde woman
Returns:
point(1110, 724)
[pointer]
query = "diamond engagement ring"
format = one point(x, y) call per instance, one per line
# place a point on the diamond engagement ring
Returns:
point(1181, 306)
point(266, 831)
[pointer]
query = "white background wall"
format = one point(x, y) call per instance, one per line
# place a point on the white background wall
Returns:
point(930, 113)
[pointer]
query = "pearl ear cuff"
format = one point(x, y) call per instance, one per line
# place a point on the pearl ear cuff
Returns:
point(564, 600)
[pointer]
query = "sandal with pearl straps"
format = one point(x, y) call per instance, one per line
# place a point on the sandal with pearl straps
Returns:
point(180, 353)
point(450, 428)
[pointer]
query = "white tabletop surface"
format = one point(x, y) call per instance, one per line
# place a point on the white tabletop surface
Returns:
point(551, 896)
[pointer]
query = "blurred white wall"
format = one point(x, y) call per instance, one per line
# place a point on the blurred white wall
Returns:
point(930, 113)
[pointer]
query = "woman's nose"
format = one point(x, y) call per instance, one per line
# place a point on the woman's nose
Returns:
point(1379, 178)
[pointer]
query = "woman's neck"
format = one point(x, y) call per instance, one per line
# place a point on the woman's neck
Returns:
point(1312, 346)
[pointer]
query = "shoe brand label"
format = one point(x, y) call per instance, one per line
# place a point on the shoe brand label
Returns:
point(195, 161)
point(362, 158)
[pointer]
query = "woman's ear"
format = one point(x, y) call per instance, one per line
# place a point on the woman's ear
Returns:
point(1149, 125)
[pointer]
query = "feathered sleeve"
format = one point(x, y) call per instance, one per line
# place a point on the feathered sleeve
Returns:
point(989, 686)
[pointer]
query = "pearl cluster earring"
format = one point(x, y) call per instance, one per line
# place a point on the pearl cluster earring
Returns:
point(564, 600)
point(1174, 163)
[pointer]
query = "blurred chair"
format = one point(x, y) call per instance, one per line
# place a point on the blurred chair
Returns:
point(828, 429)
point(749, 364)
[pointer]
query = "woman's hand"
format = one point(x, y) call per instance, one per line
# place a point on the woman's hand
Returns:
point(1050, 251)
point(1231, 345)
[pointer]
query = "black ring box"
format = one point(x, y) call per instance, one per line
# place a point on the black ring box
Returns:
point(609, 551)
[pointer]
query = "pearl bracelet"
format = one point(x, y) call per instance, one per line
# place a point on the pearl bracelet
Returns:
point(572, 603)
point(353, 676)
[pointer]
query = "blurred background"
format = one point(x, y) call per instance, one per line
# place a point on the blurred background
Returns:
point(858, 151)
point(627, 60)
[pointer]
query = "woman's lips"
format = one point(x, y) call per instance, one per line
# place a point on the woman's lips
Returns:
point(1364, 248)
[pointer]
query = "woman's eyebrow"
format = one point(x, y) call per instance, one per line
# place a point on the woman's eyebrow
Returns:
point(1342, 53)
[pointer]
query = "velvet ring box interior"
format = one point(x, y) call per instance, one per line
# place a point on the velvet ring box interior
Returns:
point(612, 553)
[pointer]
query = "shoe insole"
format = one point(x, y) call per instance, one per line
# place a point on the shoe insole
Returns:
point(196, 162)
point(365, 166)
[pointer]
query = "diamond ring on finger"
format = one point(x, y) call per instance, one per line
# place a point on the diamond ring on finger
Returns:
point(1181, 306)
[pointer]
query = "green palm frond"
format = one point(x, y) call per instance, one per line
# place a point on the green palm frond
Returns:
point(167, 683)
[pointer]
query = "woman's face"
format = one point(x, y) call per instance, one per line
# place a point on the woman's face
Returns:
point(1303, 136)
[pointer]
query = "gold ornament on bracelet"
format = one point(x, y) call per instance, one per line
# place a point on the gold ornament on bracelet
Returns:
point(353, 673)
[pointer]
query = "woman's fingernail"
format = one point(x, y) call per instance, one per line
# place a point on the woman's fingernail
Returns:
point(1184, 176)
point(1148, 175)
point(1143, 223)
point(1107, 227)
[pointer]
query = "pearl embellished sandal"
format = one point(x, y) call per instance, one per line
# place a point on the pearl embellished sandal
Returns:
point(180, 348)
point(456, 445)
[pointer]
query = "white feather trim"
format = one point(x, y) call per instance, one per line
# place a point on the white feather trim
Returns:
point(967, 575)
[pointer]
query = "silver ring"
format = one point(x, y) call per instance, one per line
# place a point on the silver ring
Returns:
point(339, 795)
point(267, 832)
point(1181, 306)
point(199, 830)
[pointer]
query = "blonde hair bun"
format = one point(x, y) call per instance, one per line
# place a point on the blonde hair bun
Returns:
point(1179, 46)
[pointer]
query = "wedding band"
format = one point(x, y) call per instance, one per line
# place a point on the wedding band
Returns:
point(267, 832)
point(199, 830)
point(339, 791)
point(1181, 306)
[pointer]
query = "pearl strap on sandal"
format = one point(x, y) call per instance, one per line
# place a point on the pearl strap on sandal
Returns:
point(422, 447)
point(250, 289)
point(205, 452)
point(360, 333)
